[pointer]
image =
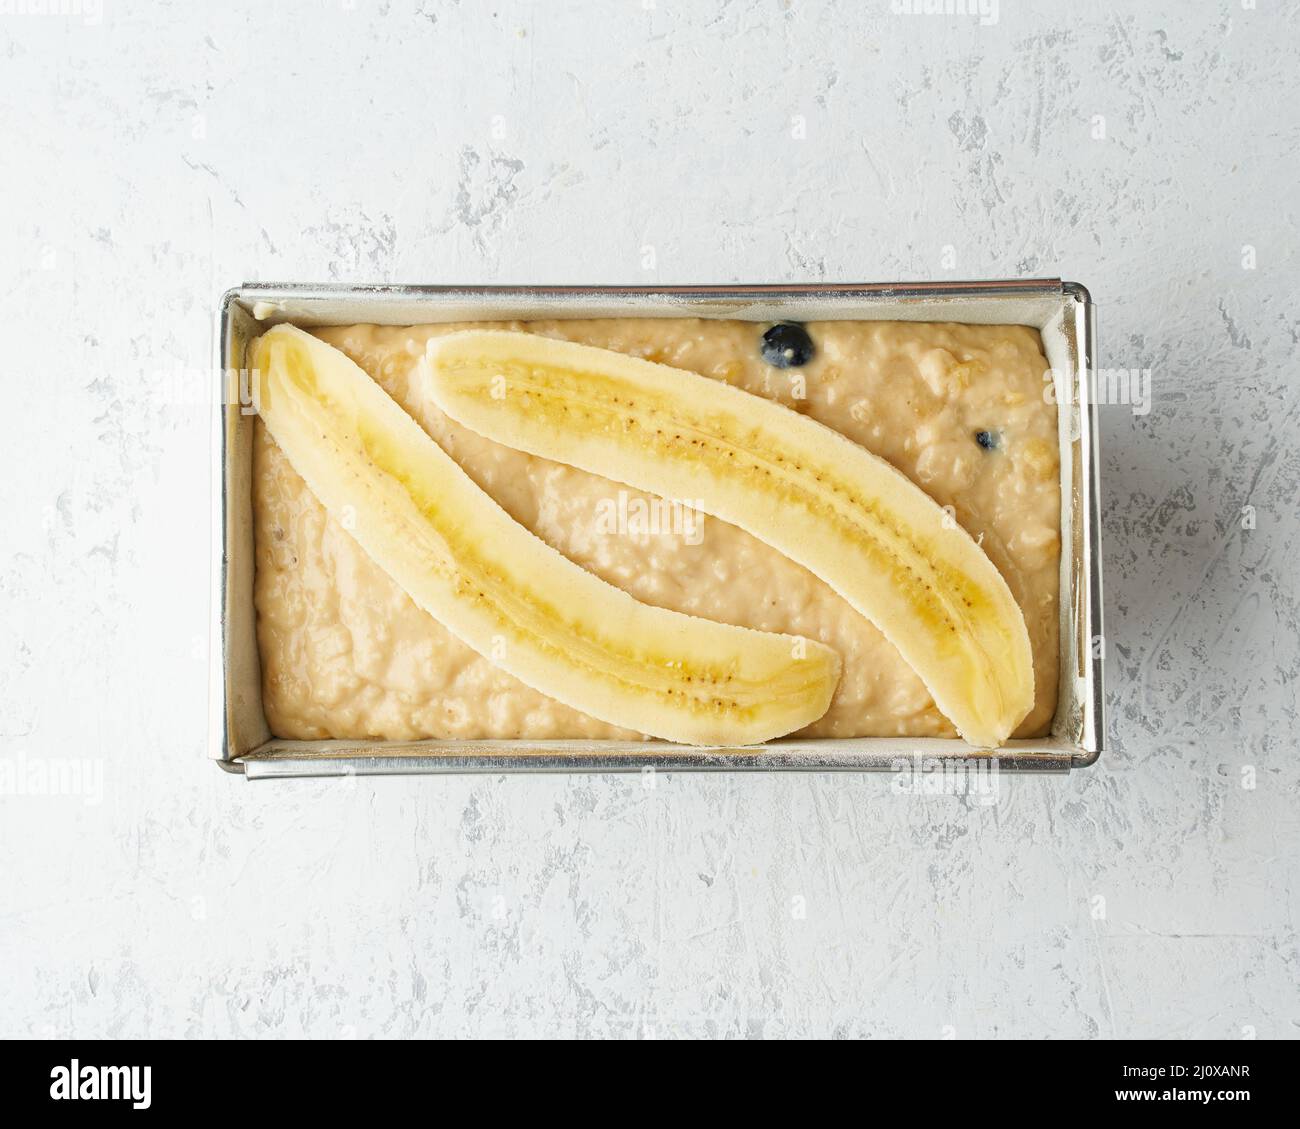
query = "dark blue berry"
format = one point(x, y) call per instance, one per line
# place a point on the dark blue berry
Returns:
point(987, 439)
point(787, 345)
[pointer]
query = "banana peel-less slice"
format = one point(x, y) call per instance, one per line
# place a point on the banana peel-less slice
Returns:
point(848, 516)
point(505, 592)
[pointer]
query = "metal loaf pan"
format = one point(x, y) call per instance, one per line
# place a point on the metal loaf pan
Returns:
point(240, 740)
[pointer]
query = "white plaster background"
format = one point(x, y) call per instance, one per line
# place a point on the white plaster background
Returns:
point(152, 158)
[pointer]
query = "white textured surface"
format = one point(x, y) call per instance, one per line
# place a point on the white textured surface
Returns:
point(154, 157)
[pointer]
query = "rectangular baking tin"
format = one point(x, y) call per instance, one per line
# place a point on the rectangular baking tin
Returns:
point(1062, 312)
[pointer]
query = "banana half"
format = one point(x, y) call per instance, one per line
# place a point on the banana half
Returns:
point(505, 592)
point(848, 516)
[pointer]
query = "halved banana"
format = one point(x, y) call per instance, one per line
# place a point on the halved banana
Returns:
point(505, 592)
point(852, 519)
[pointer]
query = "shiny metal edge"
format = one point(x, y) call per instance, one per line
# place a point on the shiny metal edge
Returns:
point(918, 757)
point(1093, 739)
point(266, 758)
point(221, 747)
